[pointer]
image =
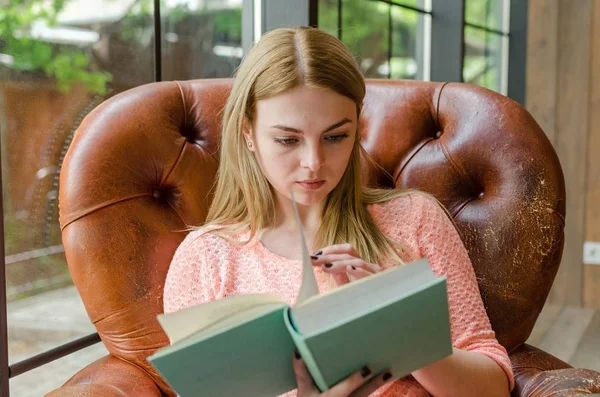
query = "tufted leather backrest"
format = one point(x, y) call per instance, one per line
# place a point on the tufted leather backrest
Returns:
point(141, 166)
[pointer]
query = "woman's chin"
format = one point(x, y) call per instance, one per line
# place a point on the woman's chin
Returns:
point(309, 198)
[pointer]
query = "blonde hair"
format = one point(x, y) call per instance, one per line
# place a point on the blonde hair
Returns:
point(243, 198)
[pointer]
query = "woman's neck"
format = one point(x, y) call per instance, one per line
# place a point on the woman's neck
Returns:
point(285, 219)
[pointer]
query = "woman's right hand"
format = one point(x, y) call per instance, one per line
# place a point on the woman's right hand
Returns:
point(360, 384)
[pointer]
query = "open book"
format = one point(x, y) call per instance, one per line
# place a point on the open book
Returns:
point(243, 345)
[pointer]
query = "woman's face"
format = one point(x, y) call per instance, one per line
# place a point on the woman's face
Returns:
point(302, 139)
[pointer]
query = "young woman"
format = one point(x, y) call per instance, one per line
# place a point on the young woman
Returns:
point(291, 122)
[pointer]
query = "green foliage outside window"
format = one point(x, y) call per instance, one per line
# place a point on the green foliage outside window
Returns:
point(69, 66)
point(227, 22)
point(482, 62)
point(365, 30)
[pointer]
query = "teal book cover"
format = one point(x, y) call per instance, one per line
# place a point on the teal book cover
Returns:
point(250, 359)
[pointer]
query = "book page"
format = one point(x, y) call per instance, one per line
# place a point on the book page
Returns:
point(181, 324)
point(309, 286)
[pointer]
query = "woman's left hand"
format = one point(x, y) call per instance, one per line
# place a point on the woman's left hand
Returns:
point(342, 260)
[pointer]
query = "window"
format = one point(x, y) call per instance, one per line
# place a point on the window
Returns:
point(390, 38)
point(201, 39)
point(486, 43)
point(58, 60)
point(481, 42)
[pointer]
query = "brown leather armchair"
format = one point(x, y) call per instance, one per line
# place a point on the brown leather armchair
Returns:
point(141, 165)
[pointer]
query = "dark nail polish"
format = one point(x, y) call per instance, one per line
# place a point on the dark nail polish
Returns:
point(297, 354)
point(386, 376)
point(313, 257)
point(318, 253)
point(328, 265)
point(366, 371)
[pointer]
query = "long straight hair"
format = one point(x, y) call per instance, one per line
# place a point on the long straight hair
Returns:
point(243, 199)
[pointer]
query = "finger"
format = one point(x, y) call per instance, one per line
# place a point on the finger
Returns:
point(359, 264)
point(350, 384)
point(322, 259)
point(357, 272)
point(345, 260)
point(303, 378)
point(343, 265)
point(370, 267)
point(338, 249)
point(375, 383)
point(341, 279)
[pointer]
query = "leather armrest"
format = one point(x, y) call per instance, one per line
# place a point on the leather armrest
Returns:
point(539, 374)
point(109, 377)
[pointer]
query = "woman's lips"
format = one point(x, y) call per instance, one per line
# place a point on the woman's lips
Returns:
point(311, 185)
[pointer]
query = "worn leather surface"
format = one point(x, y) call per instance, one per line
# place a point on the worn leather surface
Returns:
point(539, 374)
point(141, 166)
point(109, 377)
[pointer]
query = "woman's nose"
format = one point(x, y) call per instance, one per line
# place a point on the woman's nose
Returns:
point(312, 157)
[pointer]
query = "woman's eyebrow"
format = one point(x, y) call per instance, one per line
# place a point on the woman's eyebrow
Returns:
point(330, 128)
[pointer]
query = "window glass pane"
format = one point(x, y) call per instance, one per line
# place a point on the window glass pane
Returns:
point(328, 16)
point(51, 376)
point(419, 4)
point(409, 36)
point(64, 319)
point(201, 38)
point(58, 61)
point(389, 41)
point(365, 32)
point(484, 59)
point(487, 13)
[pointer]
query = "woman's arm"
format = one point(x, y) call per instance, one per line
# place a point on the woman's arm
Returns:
point(464, 374)
point(479, 366)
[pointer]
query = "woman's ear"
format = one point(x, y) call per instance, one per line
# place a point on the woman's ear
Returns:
point(247, 131)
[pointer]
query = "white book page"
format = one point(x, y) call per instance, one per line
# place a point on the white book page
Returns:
point(215, 315)
point(309, 287)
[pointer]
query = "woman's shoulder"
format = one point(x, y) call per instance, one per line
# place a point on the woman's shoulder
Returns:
point(404, 214)
point(198, 235)
point(407, 205)
point(207, 238)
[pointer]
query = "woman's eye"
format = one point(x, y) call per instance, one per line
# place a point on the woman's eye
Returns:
point(286, 141)
point(293, 141)
point(337, 138)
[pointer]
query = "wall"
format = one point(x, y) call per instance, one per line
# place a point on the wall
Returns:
point(563, 94)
